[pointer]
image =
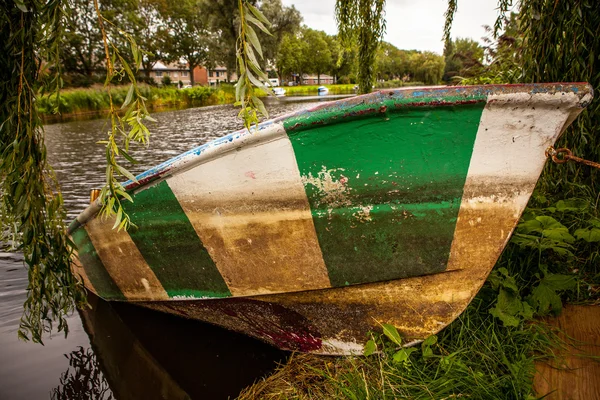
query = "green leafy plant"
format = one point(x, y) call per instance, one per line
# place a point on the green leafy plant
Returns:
point(123, 128)
point(396, 351)
point(251, 75)
point(31, 207)
point(362, 22)
point(509, 308)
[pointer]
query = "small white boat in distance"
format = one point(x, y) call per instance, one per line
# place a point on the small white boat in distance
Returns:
point(278, 91)
point(322, 90)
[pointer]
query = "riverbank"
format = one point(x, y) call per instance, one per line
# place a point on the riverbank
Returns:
point(94, 102)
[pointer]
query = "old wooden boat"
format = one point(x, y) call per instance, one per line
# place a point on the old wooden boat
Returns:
point(318, 226)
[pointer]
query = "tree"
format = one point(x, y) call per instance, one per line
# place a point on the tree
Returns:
point(427, 67)
point(316, 53)
point(309, 51)
point(148, 31)
point(561, 43)
point(223, 20)
point(393, 63)
point(81, 49)
point(288, 61)
point(463, 57)
point(284, 20)
point(346, 62)
point(452, 64)
point(31, 208)
point(186, 34)
point(362, 21)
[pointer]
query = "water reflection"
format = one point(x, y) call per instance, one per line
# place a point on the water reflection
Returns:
point(83, 379)
point(144, 354)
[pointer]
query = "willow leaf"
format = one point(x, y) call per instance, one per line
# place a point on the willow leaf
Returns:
point(258, 14)
point(129, 96)
point(260, 105)
point(251, 36)
point(253, 79)
point(125, 173)
point(258, 24)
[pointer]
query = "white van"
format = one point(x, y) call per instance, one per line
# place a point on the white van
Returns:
point(274, 81)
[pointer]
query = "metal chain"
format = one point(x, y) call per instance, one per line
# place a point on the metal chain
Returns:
point(562, 155)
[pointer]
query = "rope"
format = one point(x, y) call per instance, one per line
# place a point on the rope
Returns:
point(562, 155)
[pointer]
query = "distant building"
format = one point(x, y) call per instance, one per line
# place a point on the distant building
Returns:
point(180, 72)
point(218, 75)
point(314, 79)
point(176, 71)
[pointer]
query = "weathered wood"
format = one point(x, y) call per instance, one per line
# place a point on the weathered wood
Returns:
point(575, 375)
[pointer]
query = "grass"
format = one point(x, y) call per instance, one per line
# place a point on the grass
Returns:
point(475, 357)
point(95, 100)
point(308, 90)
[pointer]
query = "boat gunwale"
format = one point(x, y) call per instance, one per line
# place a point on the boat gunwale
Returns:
point(360, 106)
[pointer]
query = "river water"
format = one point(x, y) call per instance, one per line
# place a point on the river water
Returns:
point(119, 351)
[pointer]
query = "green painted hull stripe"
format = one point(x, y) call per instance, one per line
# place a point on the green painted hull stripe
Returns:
point(104, 285)
point(331, 114)
point(397, 180)
point(169, 244)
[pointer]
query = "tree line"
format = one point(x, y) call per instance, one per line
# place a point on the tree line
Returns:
point(195, 33)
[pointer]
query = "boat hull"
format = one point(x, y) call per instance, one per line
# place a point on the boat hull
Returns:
point(319, 226)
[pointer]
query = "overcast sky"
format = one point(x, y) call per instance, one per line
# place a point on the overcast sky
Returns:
point(411, 24)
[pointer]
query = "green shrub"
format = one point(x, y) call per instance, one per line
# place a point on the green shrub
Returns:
point(166, 80)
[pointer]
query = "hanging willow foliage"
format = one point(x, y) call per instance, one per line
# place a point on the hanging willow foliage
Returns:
point(562, 44)
point(363, 22)
point(123, 128)
point(503, 7)
point(31, 206)
point(251, 74)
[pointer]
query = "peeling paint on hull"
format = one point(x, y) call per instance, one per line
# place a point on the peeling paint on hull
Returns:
point(386, 208)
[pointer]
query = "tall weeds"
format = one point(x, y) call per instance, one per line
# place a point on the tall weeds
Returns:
point(96, 100)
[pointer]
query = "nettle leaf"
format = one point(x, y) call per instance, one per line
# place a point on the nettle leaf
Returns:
point(430, 341)
point(370, 348)
point(426, 349)
point(572, 205)
point(545, 300)
point(524, 240)
point(560, 281)
point(403, 354)
point(540, 224)
point(510, 309)
point(591, 235)
point(545, 297)
point(392, 333)
point(594, 222)
point(501, 278)
point(561, 234)
point(561, 248)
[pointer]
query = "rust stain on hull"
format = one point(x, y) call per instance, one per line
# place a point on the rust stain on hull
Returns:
point(264, 253)
point(418, 306)
point(80, 273)
point(135, 279)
